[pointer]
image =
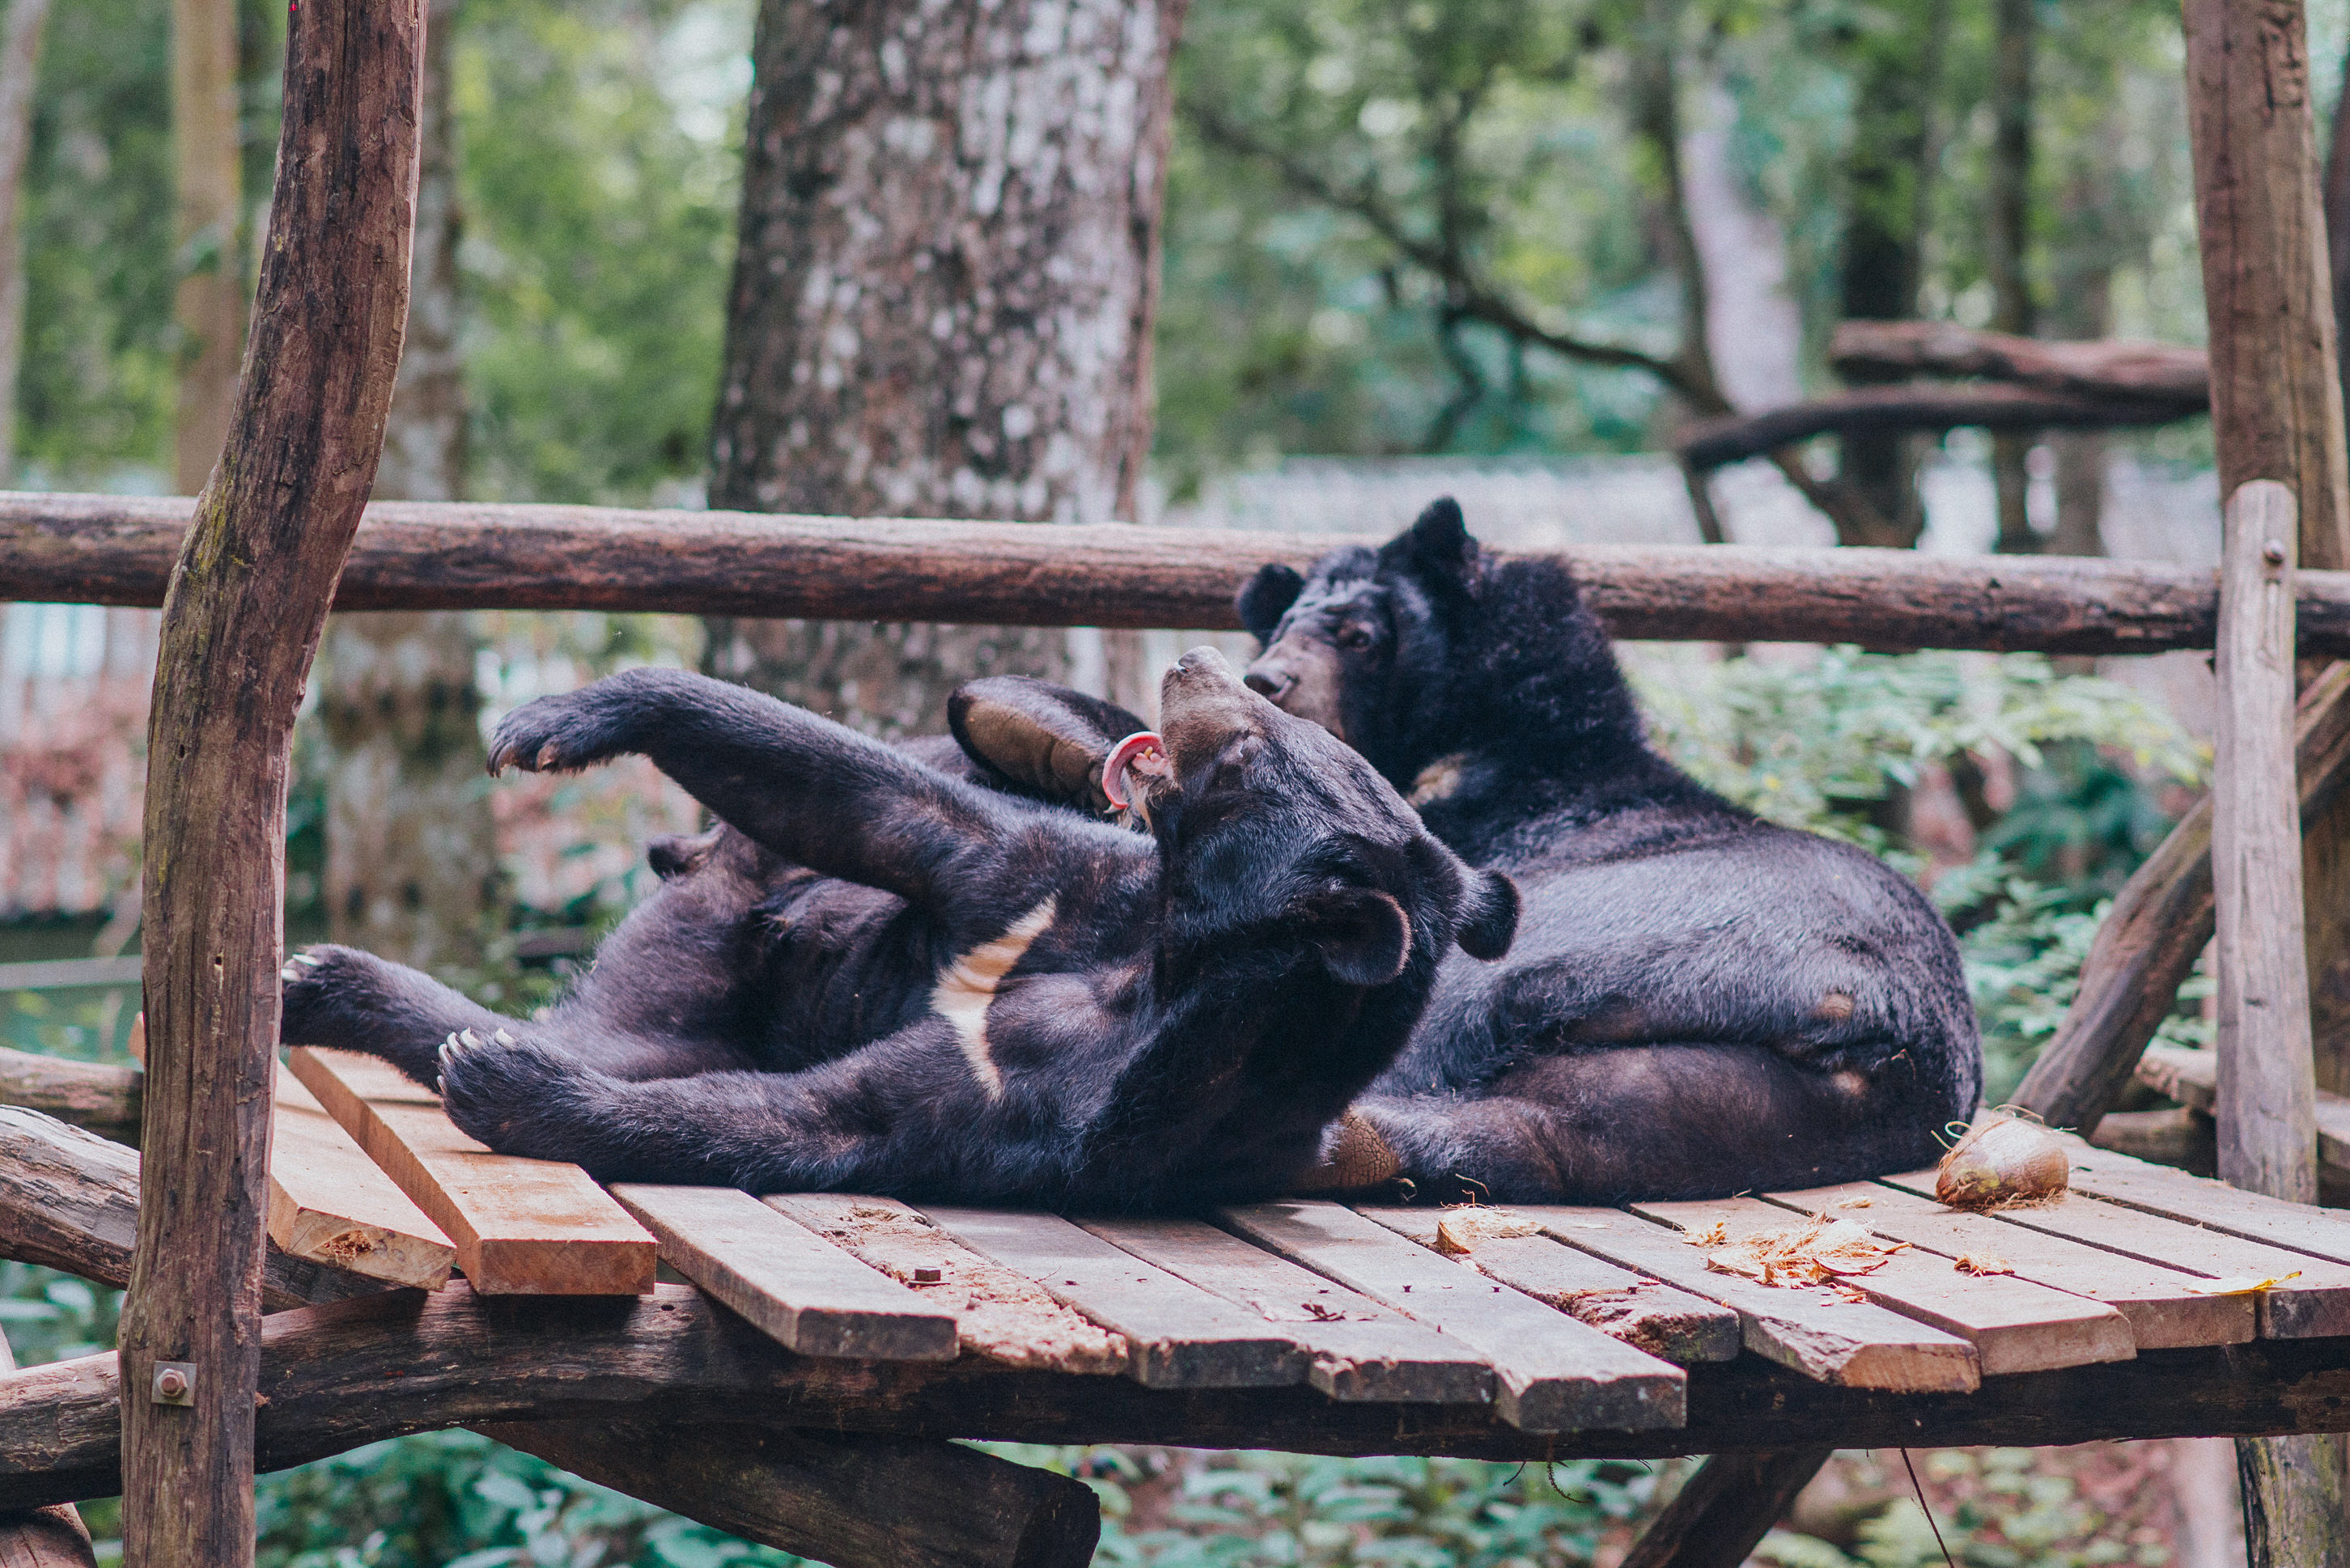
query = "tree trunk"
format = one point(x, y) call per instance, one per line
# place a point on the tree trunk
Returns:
point(20, 51)
point(1889, 182)
point(944, 286)
point(2015, 22)
point(2276, 411)
point(210, 309)
point(247, 602)
point(412, 849)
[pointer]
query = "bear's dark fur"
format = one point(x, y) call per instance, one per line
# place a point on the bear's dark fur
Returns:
point(879, 976)
point(1699, 1003)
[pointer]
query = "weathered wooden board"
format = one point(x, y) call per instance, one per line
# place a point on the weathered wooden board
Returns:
point(1645, 1313)
point(2014, 1324)
point(2197, 1200)
point(1177, 1335)
point(1360, 1349)
point(1003, 1314)
point(2193, 1078)
point(330, 1202)
point(522, 1227)
point(2164, 1311)
point(1552, 1374)
point(2315, 1306)
point(1856, 1345)
point(807, 1295)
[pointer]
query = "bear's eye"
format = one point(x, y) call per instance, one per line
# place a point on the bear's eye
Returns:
point(1354, 639)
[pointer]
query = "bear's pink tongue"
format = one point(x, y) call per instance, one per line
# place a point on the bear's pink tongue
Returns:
point(1141, 752)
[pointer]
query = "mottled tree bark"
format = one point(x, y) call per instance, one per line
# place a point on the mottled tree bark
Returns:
point(944, 286)
point(20, 52)
point(1887, 178)
point(210, 309)
point(2015, 24)
point(412, 849)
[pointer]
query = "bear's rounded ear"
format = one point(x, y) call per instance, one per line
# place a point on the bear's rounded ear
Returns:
point(1041, 737)
point(1267, 598)
point(1489, 915)
point(1362, 935)
point(1439, 544)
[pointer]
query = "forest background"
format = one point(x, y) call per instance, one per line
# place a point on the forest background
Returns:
point(1392, 227)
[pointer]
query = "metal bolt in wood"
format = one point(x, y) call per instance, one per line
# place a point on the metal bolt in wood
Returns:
point(175, 1383)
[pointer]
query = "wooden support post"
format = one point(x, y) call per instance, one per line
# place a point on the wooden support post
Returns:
point(1729, 1505)
point(2268, 1092)
point(852, 1502)
point(2276, 409)
point(241, 621)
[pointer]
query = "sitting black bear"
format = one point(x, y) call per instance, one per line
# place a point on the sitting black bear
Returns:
point(1033, 1006)
point(1699, 1003)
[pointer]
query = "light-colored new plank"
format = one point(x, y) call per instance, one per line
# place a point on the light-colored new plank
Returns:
point(1001, 1314)
point(2315, 1306)
point(1645, 1313)
point(1361, 1350)
point(2164, 1311)
point(330, 1204)
point(1552, 1374)
point(1855, 1344)
point(1177, 1335)
point(2014, 1324)
point(522, 1227)
point(804, 1292)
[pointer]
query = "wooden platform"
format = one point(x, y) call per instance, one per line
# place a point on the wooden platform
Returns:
point(1567, 1326)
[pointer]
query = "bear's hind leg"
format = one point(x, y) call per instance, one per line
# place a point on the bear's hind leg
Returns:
point(1654, 1122)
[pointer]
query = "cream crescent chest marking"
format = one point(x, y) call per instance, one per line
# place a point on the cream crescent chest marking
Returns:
point(966, 988)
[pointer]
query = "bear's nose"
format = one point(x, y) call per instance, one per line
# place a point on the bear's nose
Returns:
point(1270, 681)
point(1203, 661)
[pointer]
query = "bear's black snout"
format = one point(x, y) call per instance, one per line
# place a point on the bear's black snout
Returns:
point(1269, 681)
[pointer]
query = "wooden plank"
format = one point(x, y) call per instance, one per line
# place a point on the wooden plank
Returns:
point(2267, 1115)
point(2193, 1078)
point(2214, 1205)
point(2164, 1312)
point(804, 1292)
point(1002, 1314)
point(1177, 1334)
point(1360, 1349)
point(2014, 1324)
point(330, 1202)
point(522, 1227)
point(1855, 1344)
point(1552, 1374)
point(1645, 1313)
point(2315, 1306)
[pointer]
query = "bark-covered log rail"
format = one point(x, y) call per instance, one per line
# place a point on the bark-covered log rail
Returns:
point(435, 556)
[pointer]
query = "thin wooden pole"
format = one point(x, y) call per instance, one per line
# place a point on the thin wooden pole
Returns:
point(2268, 1101)
point(241, 621)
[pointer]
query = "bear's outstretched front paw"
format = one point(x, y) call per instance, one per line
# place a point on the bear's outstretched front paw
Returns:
point(518, 1097)
point(335, 996)
point(562, 733)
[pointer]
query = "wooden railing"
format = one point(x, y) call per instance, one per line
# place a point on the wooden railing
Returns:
point(118, 550)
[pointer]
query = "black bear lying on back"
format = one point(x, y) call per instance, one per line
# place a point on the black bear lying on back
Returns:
point(1012, 1003)
point(1699, 1003)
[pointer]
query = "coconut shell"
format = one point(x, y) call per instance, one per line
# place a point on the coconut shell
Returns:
point(2002, 1160)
